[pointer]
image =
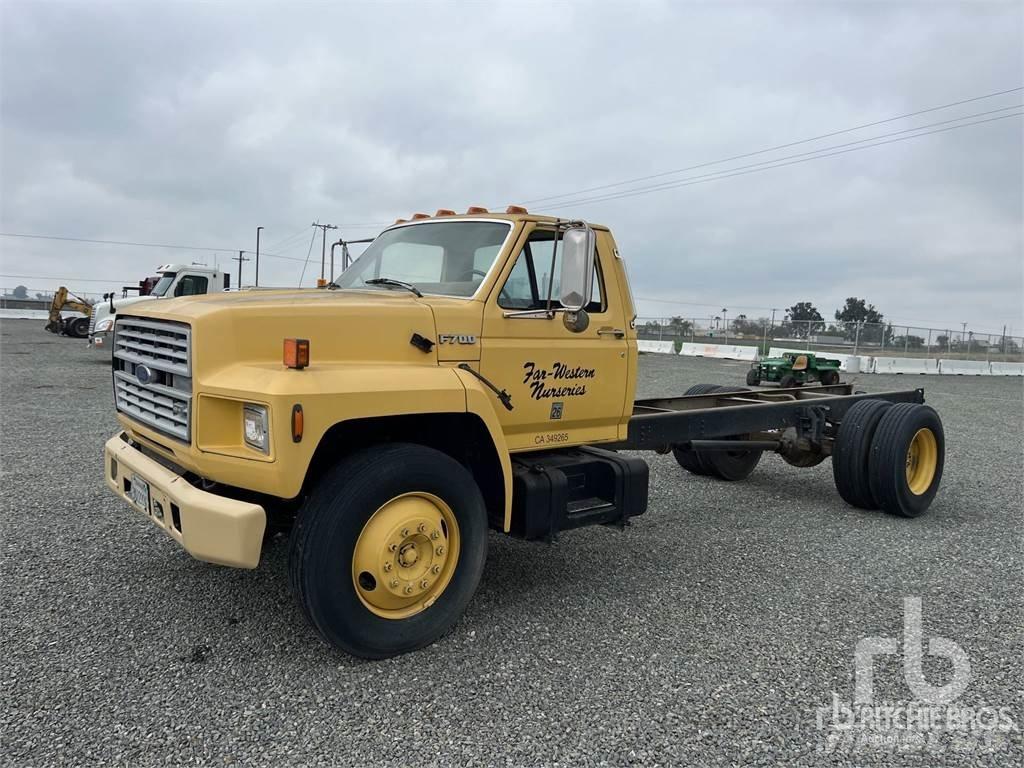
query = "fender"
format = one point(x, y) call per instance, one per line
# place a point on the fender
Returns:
point(481, 402)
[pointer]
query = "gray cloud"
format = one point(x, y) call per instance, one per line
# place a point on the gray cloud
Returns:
point(188, 123)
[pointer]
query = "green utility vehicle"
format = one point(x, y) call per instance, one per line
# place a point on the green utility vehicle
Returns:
point(794, 369)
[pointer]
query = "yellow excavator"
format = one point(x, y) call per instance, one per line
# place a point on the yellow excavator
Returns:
point(76, 327)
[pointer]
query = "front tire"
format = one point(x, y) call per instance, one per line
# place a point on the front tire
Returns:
point(753, 378)
point(389, 549)
point(788, 382)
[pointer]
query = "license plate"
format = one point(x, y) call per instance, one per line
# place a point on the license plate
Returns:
point(140, 493)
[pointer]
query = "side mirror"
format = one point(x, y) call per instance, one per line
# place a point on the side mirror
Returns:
point(578, 245)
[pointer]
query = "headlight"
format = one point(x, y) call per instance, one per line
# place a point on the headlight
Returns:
point(257, 431)
point(104, 325)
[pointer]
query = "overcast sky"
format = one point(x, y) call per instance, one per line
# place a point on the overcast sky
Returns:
point(192, 124)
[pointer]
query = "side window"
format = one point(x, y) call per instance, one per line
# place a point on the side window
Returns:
point(191, 285)
point(527, 283)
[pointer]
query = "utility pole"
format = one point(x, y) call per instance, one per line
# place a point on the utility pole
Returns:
point(323, 251)
point(258, 256)
point(240, 258)
point(725, 320)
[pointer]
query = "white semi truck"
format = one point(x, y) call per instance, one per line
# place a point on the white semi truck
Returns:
point(171, 280)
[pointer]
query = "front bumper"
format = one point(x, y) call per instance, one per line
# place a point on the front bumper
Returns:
point(100, 340)
point(210, 527)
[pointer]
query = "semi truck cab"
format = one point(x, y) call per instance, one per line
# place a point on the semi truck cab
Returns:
point(171, 280)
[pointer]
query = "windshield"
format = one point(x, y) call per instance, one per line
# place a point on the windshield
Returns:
point(162, 284)
point(449, 258)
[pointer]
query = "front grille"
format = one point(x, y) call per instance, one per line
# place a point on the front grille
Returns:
point(92, 321)
point(152, 374)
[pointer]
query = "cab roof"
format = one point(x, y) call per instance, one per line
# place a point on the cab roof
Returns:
point(534, 218)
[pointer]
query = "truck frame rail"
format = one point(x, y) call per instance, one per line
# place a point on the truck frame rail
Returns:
point(658, 424)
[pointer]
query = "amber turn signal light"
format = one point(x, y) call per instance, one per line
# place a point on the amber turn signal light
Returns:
point(296, 353)
point(297, 423)
point(516, 209)
point(477, 209)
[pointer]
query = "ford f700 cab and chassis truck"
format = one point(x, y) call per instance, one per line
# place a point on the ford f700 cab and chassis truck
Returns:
point(466, 372)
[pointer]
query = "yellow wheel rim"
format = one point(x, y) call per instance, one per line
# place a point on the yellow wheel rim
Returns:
point(405, 555)
point(922, 460)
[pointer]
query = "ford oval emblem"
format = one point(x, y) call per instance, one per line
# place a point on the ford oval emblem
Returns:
point(143, 374)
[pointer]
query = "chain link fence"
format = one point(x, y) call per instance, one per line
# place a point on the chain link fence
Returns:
point(853, 338)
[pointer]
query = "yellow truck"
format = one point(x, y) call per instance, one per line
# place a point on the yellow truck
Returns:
point(467, 372)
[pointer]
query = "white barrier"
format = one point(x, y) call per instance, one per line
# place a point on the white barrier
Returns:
point(1007, 369)
point(660, 347)
point(965, 367)
point(905, 365)
point(860, 364)
point(24, 314)
point(719, 351)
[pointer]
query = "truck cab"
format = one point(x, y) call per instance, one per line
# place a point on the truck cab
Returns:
point(171, 280)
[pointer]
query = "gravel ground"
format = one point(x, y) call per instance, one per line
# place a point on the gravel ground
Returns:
point(708, 633)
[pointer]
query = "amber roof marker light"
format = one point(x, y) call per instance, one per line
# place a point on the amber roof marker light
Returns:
point(516, 209)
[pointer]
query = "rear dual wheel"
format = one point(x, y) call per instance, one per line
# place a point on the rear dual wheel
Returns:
point(389, 549)
point(726, 465)
point(889, 456)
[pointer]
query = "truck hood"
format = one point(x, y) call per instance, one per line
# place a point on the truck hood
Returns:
point(249, 327)
point(101, 309)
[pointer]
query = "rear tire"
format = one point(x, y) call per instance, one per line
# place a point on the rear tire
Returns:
point(829, 378)
point(340, 529)
point(908, 454)
point(689, 459)
point(851, 452)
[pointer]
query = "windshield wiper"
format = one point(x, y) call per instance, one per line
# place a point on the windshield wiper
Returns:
point(392, 281)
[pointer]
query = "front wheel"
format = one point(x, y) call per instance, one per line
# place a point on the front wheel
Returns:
point(788, 382)
point(753, 377)
point(389, 549)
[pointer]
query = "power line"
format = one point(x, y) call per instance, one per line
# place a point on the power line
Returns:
point(308, 252)
point(743, 155)
point(288, 239)
point(777, 147)
point(768, 165)
point(137, 245)
point(77, 280)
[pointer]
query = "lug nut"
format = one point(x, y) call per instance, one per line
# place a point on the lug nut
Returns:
point(440, 550)
point(387, 567)
point(392, 547)
point(436, 569)
point(424, 584)
point(405, 532)
point(435, 534)
point(408, 590)
point(394, 583)
point(421, 527)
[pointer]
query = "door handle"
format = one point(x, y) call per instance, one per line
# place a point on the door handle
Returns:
point(618, 333)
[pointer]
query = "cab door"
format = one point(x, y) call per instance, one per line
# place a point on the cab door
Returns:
point(567, 387)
